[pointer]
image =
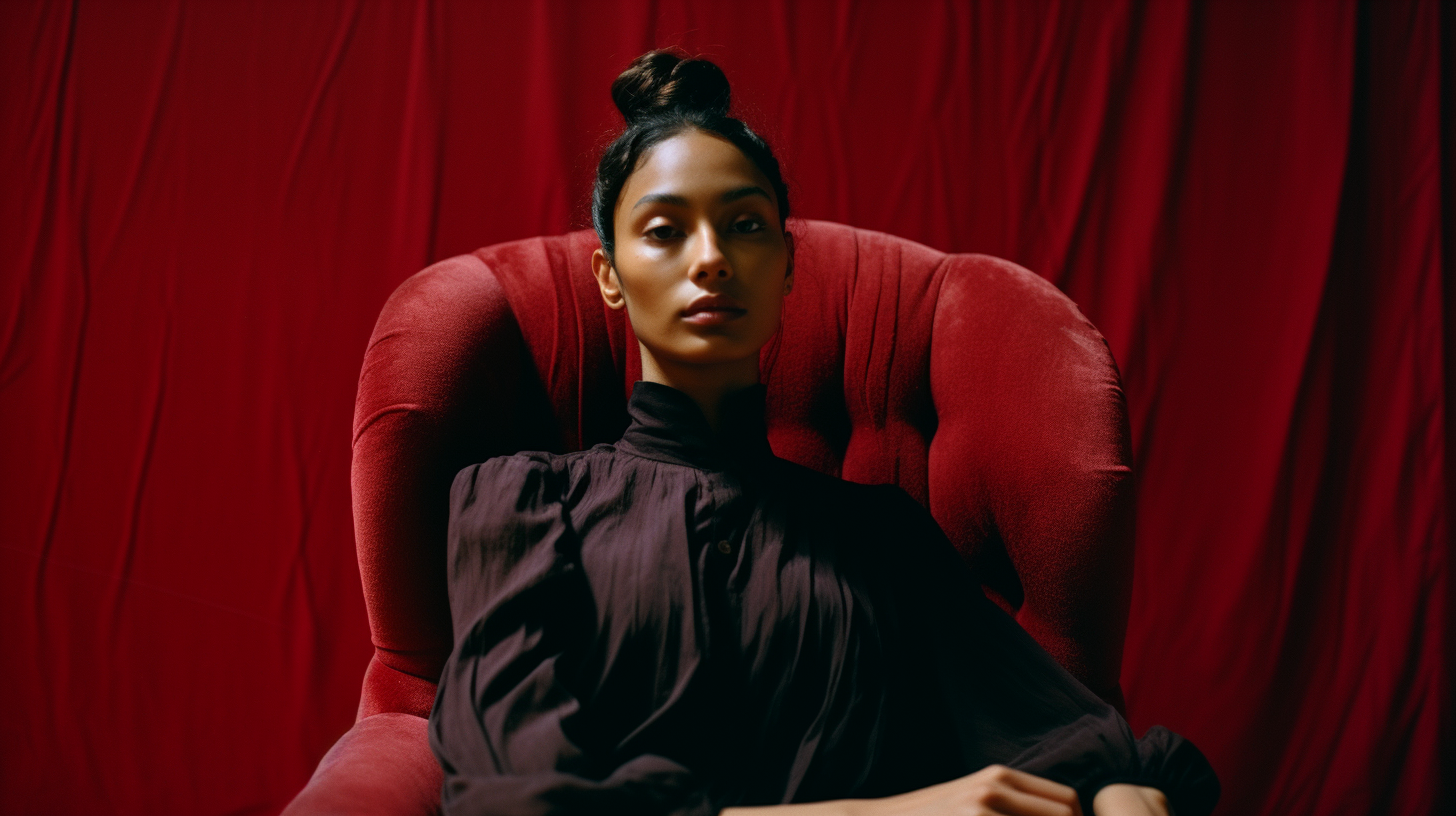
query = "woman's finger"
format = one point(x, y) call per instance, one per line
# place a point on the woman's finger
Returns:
point(1041, 786)
point(1011, 802)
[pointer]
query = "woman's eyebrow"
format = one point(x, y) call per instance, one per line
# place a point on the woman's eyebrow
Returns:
point(676, 200)
point(661, 198)
point(744, 192)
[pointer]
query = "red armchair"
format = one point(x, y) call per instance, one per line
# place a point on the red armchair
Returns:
point(967, 380)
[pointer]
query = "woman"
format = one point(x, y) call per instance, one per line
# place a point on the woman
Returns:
point(684, 623)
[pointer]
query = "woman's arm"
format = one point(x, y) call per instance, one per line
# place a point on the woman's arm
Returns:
point(992, 791)
point(520, 601)
point(1079, 739)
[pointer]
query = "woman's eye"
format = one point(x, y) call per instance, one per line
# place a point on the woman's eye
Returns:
point(662, 233)
point(747, 225)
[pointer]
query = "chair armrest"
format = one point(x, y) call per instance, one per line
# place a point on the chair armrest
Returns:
point(383, 765)
point(1034, 456)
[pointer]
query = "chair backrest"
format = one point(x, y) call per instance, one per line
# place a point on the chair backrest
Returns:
point(967, 380)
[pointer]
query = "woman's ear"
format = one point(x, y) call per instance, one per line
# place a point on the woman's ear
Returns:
point(607, 280)
point(789, 275)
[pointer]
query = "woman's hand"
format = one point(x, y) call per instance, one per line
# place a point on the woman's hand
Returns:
point(995, 790)
point(1129, 800)
point(992, 791)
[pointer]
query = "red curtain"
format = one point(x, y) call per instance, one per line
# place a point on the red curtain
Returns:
point(204, 205)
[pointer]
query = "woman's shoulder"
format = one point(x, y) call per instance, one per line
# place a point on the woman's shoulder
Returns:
point(505, 497)
point(515, 473)
point(540, 474)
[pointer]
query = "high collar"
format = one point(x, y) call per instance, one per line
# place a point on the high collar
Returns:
point(667, 425)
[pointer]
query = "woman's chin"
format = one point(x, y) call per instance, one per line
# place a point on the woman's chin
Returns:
point(730, 362)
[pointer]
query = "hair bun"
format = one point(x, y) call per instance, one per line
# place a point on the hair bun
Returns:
point(661, 81)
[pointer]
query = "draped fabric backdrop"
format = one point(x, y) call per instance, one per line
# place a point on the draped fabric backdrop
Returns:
point(204, 205)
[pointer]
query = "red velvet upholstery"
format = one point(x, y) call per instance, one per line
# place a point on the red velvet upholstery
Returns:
point(969, 381)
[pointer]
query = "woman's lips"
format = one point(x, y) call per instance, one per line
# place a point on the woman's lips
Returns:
point(705, 317)
point(713, 309)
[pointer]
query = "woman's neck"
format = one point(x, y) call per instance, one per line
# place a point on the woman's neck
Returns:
point(707, 385)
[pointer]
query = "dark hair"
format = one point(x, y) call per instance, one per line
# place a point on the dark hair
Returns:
point(661, 95)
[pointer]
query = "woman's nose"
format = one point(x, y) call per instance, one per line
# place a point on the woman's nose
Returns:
point(709, 260)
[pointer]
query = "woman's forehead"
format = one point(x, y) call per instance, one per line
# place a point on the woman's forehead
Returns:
point(691, 164)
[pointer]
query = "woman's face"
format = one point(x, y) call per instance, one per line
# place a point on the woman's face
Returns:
point(702, 264)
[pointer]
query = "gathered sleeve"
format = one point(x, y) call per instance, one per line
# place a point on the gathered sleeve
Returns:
point(1015, 705)
point(523, 614)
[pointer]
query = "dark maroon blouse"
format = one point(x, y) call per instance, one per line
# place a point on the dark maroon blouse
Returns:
point(682, 622)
